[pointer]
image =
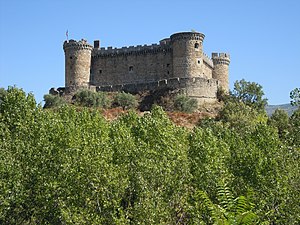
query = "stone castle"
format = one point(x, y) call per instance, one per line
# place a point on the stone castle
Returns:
point(177, 62)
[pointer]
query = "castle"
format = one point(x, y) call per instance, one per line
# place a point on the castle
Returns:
point(177, 62)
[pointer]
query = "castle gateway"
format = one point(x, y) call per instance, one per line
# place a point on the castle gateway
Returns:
point(177, 62)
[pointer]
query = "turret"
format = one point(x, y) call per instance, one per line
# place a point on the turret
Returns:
point(77, 64)
point(221, 69)
point(187, 54)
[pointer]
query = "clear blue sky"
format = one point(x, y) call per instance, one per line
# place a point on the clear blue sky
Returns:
point(262, 36)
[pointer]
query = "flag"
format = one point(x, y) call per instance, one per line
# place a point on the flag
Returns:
point(67, 34)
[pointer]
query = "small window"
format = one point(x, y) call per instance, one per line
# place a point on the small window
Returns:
point(168, 72)
point(168, 65)
point(199, 61)
point(130, 68)
point(71, 57)
point(196, 45)
point(100, 71)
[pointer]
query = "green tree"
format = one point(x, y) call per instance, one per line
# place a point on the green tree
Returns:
point(250, 93)
point(52, 101)
point(90, 98)
point(125, 100)
point(228, 210)
point(2, 94)
point(295, 96)
point(295, 129)
point(280, 120)
point(241, 116)
point(184, 103)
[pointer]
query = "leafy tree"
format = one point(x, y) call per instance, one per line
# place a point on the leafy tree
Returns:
point(52, 101)
point(295, 96)
point(250, 93)
point(2, 94)
point(90, 98)
point(125, 100)
point(280, 120)
point(71, 166)
point(241, 116)
point(228, 210)
point(184, 103)
point(295, 129)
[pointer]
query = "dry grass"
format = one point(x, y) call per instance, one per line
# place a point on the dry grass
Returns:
point(188, 120)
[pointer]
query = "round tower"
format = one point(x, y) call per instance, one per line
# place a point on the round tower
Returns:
point(77, 64)
point(221, 69)
point(187, 54)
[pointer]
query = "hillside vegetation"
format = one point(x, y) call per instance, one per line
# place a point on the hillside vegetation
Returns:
point(70, 165)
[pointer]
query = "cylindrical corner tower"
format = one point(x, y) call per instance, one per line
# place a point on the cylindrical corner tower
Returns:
point(187, 54)
point(77, 64)
point(221, 69)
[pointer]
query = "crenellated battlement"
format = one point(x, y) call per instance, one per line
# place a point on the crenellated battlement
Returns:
point(207, 60)
point(78, 45)
point(187, 36)
point(138, 49)
point(221, 58)
point(204, 90)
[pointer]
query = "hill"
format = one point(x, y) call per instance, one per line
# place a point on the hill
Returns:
point(286, 107)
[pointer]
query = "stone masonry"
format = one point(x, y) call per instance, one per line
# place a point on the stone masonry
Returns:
point(177, 62)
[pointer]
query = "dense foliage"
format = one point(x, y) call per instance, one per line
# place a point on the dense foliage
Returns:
point(71, 166)
point(90, 98)
point(183, 103)
point(295, 96)
point(250, 93)
point(125, 100)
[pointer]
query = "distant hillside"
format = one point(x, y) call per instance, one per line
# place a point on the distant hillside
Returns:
point(287, 107)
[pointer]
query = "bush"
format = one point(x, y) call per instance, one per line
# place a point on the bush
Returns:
point(125, 100)
point(89, 98)
point(53, 101)
point(184, 103)
point(2, 94)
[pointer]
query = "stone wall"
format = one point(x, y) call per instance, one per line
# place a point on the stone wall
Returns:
point(177, 62)
point(131, 65)
point(204, 90)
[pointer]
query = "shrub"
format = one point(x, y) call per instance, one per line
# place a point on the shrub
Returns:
point(125, 100)
point(90, 98)
point(184, 103)
point(53, 101)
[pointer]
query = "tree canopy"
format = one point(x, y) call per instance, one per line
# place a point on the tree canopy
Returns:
point(71, 166)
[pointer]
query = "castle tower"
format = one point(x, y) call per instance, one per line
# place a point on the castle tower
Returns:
point(220, 72)
point(187, 54)
point(77, 64)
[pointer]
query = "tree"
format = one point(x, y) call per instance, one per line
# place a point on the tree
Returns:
point(295, 128)
point(2, 94)
point(125, 100)
point(280, 120)
point(52, 101)
point(184, 103)
point(250, 93)
point(295, 96)
point(88, 98)
point(228, 210)
point(241, 116)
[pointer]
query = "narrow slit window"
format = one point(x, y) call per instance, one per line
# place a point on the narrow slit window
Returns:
point(130, 68)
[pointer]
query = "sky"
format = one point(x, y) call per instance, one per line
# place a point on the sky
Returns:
point(261, 36)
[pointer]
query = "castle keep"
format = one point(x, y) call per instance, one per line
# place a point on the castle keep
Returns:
point(177, 62)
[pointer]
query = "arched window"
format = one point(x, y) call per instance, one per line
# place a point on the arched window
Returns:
point(196, 45)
